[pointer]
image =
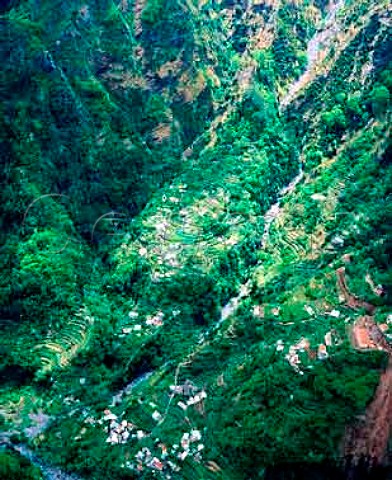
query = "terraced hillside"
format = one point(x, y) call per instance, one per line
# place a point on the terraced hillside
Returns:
point(183, 183)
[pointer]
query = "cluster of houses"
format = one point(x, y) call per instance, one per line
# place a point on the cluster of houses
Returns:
point(161, 459)
point(120, 432)
point(155, 320)
point(192, 396)
point(331, 338)
point(303, 346)
point(167, 460)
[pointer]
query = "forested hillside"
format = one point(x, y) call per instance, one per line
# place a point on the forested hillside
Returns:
point(196, 238)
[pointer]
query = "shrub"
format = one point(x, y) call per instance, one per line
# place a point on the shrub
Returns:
point(379, 99)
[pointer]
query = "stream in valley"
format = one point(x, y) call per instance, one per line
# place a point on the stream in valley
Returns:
point(320, 38)
point(49, 472)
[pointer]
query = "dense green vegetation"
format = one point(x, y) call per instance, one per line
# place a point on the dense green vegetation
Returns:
point(16, 467)
point(142, 144)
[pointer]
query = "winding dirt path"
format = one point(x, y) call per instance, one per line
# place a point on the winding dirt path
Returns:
point(351, 300)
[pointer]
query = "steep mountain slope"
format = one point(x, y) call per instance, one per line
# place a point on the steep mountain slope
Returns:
point(182, 181)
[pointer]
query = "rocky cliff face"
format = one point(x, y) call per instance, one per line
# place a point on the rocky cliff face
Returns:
point(181, 181)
